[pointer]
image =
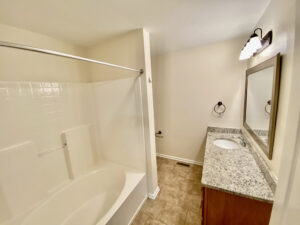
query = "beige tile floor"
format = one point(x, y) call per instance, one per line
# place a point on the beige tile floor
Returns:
point(179, 200)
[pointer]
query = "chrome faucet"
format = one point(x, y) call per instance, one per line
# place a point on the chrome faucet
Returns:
point(242, 141)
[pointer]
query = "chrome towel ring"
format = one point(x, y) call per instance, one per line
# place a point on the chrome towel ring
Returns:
point(220, 108)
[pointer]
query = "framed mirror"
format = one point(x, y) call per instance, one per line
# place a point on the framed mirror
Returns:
point(261, 101)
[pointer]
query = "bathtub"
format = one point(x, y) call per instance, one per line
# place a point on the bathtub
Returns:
point(91, 199)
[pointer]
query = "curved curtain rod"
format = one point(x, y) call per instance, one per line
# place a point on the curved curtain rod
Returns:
point(50, 52)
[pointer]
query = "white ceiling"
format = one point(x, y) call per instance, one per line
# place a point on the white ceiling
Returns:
point(173, 24)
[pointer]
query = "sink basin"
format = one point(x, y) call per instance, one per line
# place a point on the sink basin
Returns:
point(226, 143)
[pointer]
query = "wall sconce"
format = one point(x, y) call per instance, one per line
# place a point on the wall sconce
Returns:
point(256, 44)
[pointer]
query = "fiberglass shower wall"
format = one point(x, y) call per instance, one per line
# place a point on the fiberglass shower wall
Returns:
point(33, 117)
point(42, 96)
point(120, 122)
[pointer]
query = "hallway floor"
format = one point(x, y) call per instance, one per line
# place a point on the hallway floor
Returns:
point(179, 200)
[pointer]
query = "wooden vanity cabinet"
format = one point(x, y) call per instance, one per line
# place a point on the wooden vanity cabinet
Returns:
point(221, 208)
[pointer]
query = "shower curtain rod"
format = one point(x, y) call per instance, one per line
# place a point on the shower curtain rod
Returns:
point(50, 52)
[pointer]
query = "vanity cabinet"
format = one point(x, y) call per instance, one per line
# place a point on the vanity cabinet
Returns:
point(222, 208)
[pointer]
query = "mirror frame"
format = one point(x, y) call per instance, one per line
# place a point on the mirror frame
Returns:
point(275, 62)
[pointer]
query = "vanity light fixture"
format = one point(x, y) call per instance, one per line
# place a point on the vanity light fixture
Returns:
point(256, 44)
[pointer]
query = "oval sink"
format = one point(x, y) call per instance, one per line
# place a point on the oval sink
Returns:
point(226, 143)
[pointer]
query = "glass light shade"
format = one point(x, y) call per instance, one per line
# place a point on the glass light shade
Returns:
point(243, 55)
point(246, 53)
point(254, 43)
point(251, 47)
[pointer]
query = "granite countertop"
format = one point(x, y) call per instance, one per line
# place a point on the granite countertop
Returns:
point(233, 170)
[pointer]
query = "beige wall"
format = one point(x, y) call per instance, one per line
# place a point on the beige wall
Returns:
point(279, 17)
point(187, 84)
point(18, 65)
point(287, 202)
point(126, 50)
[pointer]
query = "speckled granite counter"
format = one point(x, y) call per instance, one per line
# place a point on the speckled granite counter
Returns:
point(233, 170)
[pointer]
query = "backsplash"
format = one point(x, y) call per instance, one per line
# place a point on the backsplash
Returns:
point(224, 130)
point(269, 175)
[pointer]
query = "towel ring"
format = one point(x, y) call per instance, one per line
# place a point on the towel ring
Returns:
point(266, 107)
point(218, 106)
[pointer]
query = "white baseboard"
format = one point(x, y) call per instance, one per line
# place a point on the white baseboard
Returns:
point(154, 195)
point(138, 210)
point(179, 159)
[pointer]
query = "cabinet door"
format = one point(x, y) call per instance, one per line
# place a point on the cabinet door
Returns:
point(221, 208)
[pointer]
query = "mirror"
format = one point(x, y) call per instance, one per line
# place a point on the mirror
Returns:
point(261, 100)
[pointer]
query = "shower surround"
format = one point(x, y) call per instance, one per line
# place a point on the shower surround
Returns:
point(40, 157)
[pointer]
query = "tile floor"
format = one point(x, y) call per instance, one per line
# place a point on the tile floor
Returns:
point(179, 200)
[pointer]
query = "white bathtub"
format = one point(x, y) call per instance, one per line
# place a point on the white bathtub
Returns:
point(91, 199)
